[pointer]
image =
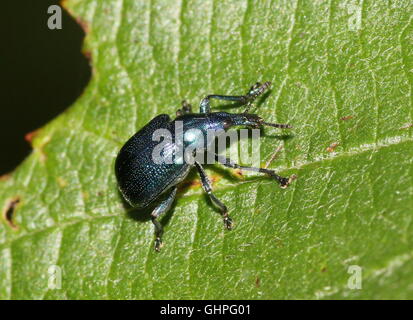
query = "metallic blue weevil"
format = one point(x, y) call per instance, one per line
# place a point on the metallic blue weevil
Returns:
point(143, 181)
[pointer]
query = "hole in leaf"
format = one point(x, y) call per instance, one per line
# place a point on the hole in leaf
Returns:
point(43, 72)
point(9, 212)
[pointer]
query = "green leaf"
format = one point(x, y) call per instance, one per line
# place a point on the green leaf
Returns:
point(342, 74)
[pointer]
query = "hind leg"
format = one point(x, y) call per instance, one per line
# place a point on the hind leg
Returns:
point(255, 91)
point(163, 207)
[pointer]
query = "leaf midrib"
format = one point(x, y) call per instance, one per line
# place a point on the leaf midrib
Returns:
point(334, 157)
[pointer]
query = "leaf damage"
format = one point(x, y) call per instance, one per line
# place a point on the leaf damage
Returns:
point(9, 211)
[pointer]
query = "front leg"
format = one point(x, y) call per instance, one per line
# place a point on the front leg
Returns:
point(256, 90)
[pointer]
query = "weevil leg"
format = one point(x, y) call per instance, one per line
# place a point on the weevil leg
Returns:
point(256, 90)
point(186, 109)
point(163, 207)
point(284, 182)
point(206, 184)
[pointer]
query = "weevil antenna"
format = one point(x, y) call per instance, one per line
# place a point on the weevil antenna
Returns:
point(277, 125)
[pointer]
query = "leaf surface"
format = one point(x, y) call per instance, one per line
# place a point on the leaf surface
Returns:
point(342, 74)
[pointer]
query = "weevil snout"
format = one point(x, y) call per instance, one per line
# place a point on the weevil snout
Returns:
point(251, 120)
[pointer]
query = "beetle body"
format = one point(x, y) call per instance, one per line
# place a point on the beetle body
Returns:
point(143, 180)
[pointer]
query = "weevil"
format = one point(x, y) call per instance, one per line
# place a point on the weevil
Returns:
point(144, 182)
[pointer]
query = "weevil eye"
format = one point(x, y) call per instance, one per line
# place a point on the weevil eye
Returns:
point(227, 124)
